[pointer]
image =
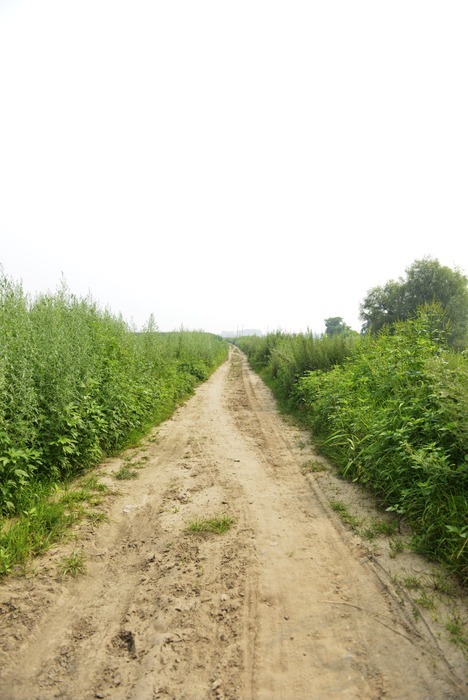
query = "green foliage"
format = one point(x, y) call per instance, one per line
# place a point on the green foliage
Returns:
point(77, 383)
point(336, 326)
point(457, 628)
point(394, 417)
point(391, 411)
point(124, 473)
point(45, 513)
point(217, 525)
point(342, 510)
point(72, 565)
point(285, 358)
point(42, 521)
point(426, 282)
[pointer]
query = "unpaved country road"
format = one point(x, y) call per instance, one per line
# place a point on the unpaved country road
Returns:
point(286, 605)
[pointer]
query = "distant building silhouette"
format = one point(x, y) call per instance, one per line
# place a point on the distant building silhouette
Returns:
point(239, 333)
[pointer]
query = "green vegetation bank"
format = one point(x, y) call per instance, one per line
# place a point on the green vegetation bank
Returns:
point(390, 410)
point(77, 383)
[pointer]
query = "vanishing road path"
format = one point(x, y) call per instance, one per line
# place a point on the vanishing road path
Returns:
point(286, 605)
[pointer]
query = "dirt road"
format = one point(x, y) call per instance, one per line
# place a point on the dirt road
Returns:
point(286, 605)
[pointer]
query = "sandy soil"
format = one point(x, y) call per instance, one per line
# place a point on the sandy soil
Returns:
point(289, 604)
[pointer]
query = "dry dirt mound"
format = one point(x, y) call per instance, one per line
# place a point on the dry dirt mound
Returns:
point(287, 604)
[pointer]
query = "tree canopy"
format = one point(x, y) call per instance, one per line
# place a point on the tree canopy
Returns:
point(426, 282)
point(336, 326)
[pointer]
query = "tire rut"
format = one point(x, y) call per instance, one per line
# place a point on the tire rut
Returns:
point(286, 604)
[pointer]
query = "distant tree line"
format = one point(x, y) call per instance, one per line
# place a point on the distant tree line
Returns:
point(426, 282)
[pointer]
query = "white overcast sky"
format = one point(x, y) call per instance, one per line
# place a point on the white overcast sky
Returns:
point(256, 164)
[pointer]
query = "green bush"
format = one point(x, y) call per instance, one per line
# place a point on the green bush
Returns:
point(394, 417)
point(77, 383)
point(285, 358)
point(391, 412)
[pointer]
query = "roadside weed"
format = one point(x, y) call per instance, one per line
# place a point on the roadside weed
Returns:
point(125, 473)
point(458, 631)
point(217, 525)
point(93, 484)
point(73, 565)
point(95, 517)
point(313, 465)
point(397, 546)
point(342, 510)
point(390, 411)
point(441, 583)
point(412, 583)
point(425, 600)
point(378, 528)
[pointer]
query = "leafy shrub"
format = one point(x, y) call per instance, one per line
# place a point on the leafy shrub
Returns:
point(391, 412)
point(77, 383)
point(394, 417)
point(285, 358)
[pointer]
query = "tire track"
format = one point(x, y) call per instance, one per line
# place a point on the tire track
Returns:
point(285, 605)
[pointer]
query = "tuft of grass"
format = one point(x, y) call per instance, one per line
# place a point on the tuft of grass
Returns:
point(313, 465)
point(342, 510)
point(377, 528)
point(93, 484)
point(397, 546)
point(425, 600)
point(441, 584)
point(71, 497)
point(95, 517)
point(457, 629)
point(46, 516)
point(126, 473)
point(74, 499)
point(73, 565)
point(216, 525)
point(434, 581)
point(412, 583)
point(42, 524)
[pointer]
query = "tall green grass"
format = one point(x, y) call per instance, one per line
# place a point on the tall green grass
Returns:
point(283, 359)
point(393, 415)
point(77, 383)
